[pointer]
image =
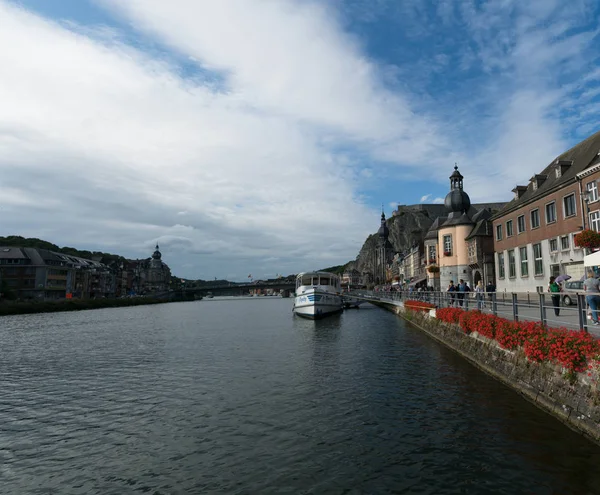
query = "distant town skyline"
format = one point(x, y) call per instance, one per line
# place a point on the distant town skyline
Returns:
point(262, 137)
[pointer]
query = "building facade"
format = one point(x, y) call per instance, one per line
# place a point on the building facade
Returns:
point(40, 274)
point(460, 245)
point(534, 233)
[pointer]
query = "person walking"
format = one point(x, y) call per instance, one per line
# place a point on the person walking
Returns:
point(591, 286)
point(554, 290)
point(463, 288)
point(451, 292)
point(480, 294)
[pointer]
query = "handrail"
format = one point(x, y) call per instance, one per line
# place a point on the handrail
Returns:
point(517, 306)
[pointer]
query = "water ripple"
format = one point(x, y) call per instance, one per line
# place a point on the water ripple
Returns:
point(241, 397)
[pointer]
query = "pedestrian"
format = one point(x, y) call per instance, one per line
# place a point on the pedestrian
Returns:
point(479, 294)
point(490, 289)
point(451, 292)
point(591, 286)
point(554, 290)
point(463, 288)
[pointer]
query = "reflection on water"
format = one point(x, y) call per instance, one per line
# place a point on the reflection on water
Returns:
point(243, 397)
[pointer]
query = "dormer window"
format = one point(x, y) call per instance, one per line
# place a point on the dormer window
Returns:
point(537, 180)
point(562, 166)
point(519, 191)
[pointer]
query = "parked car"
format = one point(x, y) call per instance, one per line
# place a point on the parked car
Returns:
point(570, 290)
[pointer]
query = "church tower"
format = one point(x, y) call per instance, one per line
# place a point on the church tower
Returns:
point(383, 251)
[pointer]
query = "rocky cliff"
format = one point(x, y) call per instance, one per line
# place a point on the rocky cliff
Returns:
point(408, 226)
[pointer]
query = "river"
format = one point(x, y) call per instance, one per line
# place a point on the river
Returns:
point(240, 396)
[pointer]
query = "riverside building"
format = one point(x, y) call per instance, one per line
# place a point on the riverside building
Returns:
point(460, 245)
point(533, 233)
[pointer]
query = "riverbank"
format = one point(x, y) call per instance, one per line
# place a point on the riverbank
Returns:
point(571, 396)
point(8, 308)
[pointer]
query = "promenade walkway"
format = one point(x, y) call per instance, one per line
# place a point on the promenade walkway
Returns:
point(528, 307)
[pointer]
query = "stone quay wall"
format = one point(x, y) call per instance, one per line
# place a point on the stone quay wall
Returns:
point(574, 399)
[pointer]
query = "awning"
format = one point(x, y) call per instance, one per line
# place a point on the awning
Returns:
point(592, 259)
point(418, 280)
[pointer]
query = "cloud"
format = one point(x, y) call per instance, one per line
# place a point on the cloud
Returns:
point(122, 145)
point(243, 134)
point(425, 198)
point(438, 201)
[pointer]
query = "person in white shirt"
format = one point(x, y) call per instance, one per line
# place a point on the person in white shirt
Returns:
point(592, 294)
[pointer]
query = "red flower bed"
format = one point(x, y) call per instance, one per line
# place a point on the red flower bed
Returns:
point(569, 348)
point(449, 315)
point(418, 305)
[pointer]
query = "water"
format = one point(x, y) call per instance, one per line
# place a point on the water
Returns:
point(241, 397)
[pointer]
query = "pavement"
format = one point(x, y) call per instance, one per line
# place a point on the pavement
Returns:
point(528, 310)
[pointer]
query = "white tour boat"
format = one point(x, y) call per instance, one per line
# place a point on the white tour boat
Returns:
point(318, 294)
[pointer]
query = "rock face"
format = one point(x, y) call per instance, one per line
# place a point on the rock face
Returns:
point(408, 226)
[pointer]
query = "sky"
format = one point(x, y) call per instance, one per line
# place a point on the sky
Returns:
point(262, 137)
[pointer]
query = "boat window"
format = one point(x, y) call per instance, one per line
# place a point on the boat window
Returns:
point(306, 280)
point(324, 281)
point(315, 281)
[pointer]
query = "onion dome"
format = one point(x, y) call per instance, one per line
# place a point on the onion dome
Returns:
point(156, 255)
point(457, 201)
point(383, 231)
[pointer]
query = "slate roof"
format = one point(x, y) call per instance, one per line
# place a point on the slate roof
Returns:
point(432, 233)
point(10, 252)
point(583, 155)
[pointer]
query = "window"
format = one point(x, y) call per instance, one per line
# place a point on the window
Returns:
point(500, 265)
point(509, 228)
point(592, 189)
point(432, 254)
point(535, 218)
point(564, 243)
point(569, 205)
point(512, 269)
point(472, 250)
point(524, 263)
point(538, 261)
point(447, 245)
point(595, 221)
point(498, 232)
point(551, 212)
point(553, 245)
point(520, 224)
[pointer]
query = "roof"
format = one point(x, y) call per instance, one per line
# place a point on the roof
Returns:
point(482, 228)
point(435, 226)
point(12, 253)
point(580, 157)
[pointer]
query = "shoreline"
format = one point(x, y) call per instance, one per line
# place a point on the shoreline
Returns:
point(10, 308)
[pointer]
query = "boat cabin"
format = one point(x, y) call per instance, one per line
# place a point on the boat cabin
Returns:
point(312, 279)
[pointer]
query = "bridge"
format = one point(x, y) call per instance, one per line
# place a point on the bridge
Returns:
point(286, 286)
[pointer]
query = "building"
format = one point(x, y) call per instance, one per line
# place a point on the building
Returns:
point(30, 273)
point(533, 234)
point(351, 278)
point(383, 254)
point(460, 244)
point(151, 275)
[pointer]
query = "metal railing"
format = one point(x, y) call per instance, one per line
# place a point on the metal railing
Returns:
point(517, 306)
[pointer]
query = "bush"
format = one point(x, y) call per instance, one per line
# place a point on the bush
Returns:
point(449, 315)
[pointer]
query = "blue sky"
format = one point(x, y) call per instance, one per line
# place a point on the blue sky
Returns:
point(263, 136)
